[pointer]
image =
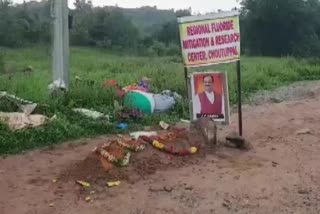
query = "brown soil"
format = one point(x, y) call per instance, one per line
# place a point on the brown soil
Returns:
point(141, 165)
point(279, 175)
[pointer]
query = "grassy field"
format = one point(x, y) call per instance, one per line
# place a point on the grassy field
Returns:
point(96, 65)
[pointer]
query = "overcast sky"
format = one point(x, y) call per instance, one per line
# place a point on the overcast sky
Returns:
point(196, 5)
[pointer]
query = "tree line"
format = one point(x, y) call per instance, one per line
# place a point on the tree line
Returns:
point(268, 27)
point(281, 27)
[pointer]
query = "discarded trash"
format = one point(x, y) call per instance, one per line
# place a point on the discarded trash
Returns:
point(113, 183)
point(134, 87)
point(83, 183)
point(57, 84)
point(56, 87)
point(136, 135)
point(51, 205)
point(140, 100)
point(165, 101)
point(164, 125)
point(91, 113)
point(117, 107)
point(54, 117)
point(110, 83)
point(129, 114)
point(114, 83)
point(15, 104)
point(185, 121)
point(122, 125)
point(78, 78)
point(144, 83)
point(120, 92)
point(303, 132)
point(17, 121)
point(28, 108)
point(136, 96)
point(88, 199)
point(54, 180)
point(14, 98)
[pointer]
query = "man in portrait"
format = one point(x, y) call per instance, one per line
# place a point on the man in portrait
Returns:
point(208, 102)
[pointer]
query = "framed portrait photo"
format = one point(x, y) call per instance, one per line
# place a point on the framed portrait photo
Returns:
point(209, 96)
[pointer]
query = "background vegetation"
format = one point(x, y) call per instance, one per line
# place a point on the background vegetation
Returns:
point(280, 45)
point(268, 27)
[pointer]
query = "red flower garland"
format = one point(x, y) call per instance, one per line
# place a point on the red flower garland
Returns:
point(172, 150)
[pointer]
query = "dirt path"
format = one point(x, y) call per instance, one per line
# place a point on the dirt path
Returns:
point(280, 175)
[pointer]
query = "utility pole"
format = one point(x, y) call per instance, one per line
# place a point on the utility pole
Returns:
point(60, 54)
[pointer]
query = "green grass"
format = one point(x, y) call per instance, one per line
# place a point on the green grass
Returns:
point(258, 73)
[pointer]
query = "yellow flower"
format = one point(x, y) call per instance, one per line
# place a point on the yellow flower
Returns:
point(157, 144)
point(113, 183)
point(193, 150)
point(83, 183)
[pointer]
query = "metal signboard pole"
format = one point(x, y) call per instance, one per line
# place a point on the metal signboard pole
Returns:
point(239, 97)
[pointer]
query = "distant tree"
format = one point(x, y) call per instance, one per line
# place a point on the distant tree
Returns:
point(281, 27)
point(6, 24)
point(169, 33)
point(185, 12)
point(268, 27)
point(24, 24)
point(112, 28)
point(83, 6)
point(81, 17)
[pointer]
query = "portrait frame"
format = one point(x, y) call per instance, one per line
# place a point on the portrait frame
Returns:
point(195, 87)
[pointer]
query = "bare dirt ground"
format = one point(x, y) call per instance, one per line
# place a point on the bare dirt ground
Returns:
point(280, 174)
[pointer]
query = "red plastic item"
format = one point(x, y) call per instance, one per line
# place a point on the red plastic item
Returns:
point(110, 83)
point(120, 92)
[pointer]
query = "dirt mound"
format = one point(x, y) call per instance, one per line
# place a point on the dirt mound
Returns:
point(141, 165)
point(152, 160)
point(89, 169)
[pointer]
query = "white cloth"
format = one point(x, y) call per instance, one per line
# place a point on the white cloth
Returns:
point(17, 121)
